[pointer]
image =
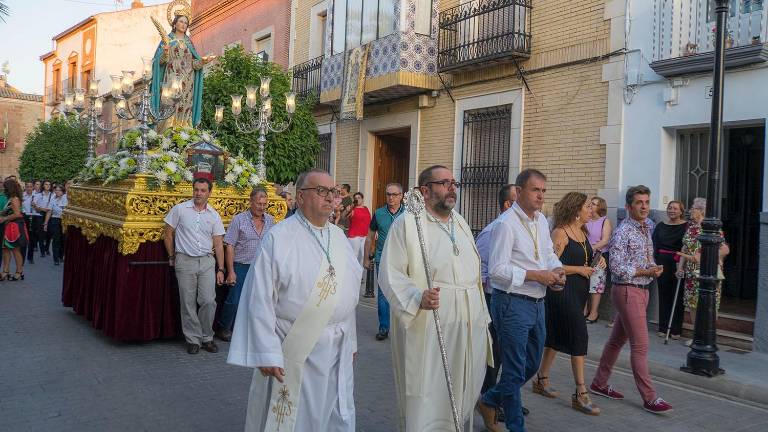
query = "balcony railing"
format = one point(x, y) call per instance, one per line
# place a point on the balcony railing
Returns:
point(306, 78)
point(685, 28)
point(483, 31)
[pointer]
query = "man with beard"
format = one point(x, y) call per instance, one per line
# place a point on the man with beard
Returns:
point(458, 293)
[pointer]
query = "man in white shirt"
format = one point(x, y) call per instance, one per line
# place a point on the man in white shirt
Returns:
point(507, 197)
point(197, 230)
point(521, 265)
point(29, 218)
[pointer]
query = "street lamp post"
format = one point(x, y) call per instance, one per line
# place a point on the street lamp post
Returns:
point(74, 103)
point(142, 111)
point(260, 119)
point(702, 359)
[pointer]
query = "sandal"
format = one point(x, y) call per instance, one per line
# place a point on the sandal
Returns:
point(4, 276)
point(580, 401)
point(540, 388)
point(16, 276)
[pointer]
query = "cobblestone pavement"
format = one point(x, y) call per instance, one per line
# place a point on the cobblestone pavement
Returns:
point(59, 374)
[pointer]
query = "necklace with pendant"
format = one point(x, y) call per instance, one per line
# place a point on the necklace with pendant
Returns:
point(328, 283)
point(450, 233)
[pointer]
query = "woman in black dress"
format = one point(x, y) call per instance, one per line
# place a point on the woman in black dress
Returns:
point(667, 242)
point(566, 327)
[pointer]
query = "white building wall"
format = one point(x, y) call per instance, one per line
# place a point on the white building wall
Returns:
point(123, 38)
point(650, 126)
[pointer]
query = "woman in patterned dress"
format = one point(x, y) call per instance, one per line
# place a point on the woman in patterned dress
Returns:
point(691, 256)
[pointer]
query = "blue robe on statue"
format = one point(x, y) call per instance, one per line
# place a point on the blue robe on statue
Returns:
point(158, 74)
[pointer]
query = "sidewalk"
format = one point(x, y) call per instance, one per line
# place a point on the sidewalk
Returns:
point(745, 378)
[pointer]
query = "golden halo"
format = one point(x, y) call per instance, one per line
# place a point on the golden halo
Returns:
point(179, 7)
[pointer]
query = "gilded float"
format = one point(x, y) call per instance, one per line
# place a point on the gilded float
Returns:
point(131, 211)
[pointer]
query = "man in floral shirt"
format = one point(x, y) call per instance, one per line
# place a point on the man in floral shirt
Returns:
point(633, 270)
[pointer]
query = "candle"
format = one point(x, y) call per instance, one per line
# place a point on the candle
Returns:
point(264, 88)
point(237, 106)
point(93, 88)
point(290, 102)
point(116, 85)
point(250, 96)
point(219, 114)
point(97, 105)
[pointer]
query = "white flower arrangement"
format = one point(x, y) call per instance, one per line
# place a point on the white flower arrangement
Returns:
point(241, 173)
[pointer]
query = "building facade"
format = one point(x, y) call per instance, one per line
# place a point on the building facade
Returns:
point(486, 88)
point(667, 87)
point(259, 26)
point(98, 47)
point(19, 114)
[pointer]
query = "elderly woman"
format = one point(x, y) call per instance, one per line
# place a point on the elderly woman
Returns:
point(566, 327)
point(691, 258)
point(667, 242)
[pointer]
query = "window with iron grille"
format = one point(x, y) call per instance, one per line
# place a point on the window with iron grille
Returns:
point(692, 165)
point(323, 159)
point(484, 163)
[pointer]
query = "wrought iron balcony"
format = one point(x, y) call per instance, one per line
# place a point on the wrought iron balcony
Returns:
point(306, 78)
point(483, 31)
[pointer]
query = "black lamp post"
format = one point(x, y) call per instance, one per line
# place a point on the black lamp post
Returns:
point(703, 358)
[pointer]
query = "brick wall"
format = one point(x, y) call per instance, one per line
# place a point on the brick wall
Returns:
point(22, 118)
point(215, 25)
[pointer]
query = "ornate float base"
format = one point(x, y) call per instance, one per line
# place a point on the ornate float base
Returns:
point(132, 212)
point(115, 272)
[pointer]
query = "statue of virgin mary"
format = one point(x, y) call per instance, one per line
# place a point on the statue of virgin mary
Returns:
point(177, 60)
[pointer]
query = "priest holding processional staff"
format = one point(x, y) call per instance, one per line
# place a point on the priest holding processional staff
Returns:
point(439, 364)
point(296, 320)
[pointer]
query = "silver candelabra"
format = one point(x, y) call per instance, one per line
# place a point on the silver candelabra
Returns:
point(142, 111)
point(260, 116)
point(74, 108)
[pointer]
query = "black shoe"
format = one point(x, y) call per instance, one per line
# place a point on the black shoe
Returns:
point(380, 336)
point(56, 262)
point(224, 335)
point(211, 347)
point(525, 411)
point(193, 348)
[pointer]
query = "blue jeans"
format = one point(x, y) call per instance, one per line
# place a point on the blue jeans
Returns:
point(229, 310)
point(383, 306)
point(521, 331)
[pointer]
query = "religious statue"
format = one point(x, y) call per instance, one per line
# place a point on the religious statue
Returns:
point(177, 65)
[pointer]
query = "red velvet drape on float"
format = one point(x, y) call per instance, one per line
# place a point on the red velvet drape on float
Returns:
point(126, 302)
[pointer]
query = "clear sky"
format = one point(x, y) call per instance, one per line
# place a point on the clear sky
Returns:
point(27, 33)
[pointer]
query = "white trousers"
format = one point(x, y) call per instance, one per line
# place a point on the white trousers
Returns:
point(358, 246)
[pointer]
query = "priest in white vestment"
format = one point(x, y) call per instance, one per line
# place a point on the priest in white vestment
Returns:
point(422, 392)
point(296, 320)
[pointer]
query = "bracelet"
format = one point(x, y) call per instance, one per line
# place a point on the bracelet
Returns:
point(219, 270)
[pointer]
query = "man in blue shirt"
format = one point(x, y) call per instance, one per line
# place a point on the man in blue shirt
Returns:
point(377, 233)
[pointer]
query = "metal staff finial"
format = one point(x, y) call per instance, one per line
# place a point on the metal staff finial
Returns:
point(414, 204)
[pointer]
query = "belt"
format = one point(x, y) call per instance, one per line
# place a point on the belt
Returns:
point(523, 296)
point(633, 285)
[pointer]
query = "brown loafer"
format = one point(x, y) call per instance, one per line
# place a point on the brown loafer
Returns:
point(211, 347)
point(224, 335)
point(193, 348)
point(490, 417)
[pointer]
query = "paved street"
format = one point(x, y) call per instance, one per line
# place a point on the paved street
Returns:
point(59, 374)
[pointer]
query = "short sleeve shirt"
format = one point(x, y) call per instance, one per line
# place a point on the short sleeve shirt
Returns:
point(26, 204)
point(57, 206)
point(380, 222)
point(242, 235)
point(194, 229)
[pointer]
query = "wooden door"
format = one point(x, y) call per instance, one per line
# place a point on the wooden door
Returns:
point(390, 164)
point(741, 209)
